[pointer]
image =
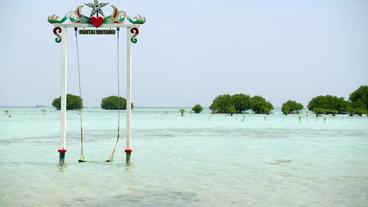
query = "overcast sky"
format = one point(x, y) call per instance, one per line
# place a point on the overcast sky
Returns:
point(191, 51)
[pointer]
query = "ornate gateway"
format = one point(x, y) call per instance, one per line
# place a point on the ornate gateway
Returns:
point(95, 24)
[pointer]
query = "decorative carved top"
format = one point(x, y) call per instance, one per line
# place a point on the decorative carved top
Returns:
point(97, 17)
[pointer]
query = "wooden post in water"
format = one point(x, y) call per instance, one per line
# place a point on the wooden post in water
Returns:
point(128, 147)
point(64, 72)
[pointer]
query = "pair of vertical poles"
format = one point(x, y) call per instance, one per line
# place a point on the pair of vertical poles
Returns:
point(62, 29)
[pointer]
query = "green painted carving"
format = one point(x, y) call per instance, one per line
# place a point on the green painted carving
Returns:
point(82, 19)
point(57, 31)
point(55, 19)
point(117, 17)
point(137, 20)
point(135, 32)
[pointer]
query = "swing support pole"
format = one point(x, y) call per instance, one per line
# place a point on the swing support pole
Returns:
point(128, 147)
point(64, 70)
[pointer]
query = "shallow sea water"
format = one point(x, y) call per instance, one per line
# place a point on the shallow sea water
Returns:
point(195, 160)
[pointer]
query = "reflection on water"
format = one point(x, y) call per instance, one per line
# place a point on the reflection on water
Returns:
point(195, 160)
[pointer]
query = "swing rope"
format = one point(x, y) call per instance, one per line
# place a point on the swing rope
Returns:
point(81, 158)
point(118, 79)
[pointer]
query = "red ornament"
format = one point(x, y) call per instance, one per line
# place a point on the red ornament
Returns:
point(62, 150)
point(96, 21)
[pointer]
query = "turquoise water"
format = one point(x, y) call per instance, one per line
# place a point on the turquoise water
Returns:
point(195, 160)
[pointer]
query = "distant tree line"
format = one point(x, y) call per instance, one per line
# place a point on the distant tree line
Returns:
point(357, 104)
point(241, 103)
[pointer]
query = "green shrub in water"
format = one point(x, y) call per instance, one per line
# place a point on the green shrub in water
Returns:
point(230, 104)
point(114, 103)
point(291, 107)
point(72, 102)
point(328, 105)
point(260, 105)
point(197, 108)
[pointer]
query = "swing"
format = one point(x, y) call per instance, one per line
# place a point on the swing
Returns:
point(75, 19)
point(81, 156)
